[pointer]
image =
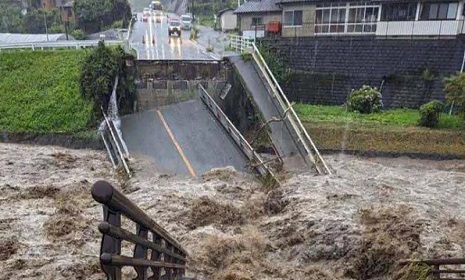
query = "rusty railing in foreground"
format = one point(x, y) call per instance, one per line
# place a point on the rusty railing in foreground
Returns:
point(447, 273)
point(167, 259)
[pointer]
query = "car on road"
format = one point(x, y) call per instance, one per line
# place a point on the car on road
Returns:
point(174, 26)
point(186, 22)
point(158, 19)
point(145, 18)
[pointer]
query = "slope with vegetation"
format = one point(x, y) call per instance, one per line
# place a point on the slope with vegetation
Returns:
point(40, 92)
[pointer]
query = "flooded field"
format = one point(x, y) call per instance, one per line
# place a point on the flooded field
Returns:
point(354, 224)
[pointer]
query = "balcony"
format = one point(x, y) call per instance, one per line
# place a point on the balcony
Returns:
point(420, 28)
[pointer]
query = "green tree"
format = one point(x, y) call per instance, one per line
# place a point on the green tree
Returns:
point(95, 15)
point(454, 87)
point(98, 75)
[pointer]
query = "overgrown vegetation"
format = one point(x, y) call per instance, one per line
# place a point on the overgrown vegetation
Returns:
point(39, 92)
point(91, 16)
point(365, 100)
point(281, 72)
point(430, 113)
point(99, 71)
point(94, 15)
point(454, 88)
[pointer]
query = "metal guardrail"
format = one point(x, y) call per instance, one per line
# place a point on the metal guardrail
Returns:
point(58, 45)
point(241, 44)
point(114, 145)
point(167, 259)
point(443, 274)
point(245, 147)
point(288, 113)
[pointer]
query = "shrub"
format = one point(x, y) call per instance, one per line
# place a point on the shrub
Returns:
point(77, 34)
point(429, 113)
point(98, 73)
point(365, 100)
point(454, 88)
point(246, 56)
point(117, 24)
point(209, 49)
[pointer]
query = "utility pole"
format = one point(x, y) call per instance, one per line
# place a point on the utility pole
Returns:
point(193, 17)
point(45, 22)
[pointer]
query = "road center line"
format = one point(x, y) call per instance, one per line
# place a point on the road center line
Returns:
point(176, 144)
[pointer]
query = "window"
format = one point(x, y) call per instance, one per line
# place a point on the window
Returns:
point(346, 18)
point(439, 11)
point(399, 12)
point(292, 18)
point(257, 21)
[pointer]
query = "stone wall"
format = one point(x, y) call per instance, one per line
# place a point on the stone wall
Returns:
point(409, 72)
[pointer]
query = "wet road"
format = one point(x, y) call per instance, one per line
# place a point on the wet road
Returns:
point(151, 41)
point(182, 138)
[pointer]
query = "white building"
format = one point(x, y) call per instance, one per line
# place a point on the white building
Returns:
point(227, 20)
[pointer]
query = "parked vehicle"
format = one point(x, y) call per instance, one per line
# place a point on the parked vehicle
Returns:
point(174, 26)
point(186, 22)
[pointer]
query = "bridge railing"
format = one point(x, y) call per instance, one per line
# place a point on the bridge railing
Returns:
point(57, 45)
point(452, 268)
point(167, 259)
point(235, 134)
point(289, 113)
point(114, 145)
point(240, 43)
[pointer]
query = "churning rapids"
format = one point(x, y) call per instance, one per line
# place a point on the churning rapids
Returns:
point(355, 224)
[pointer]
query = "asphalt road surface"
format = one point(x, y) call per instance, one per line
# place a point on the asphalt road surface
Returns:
point(182, 138)
point(151, 41)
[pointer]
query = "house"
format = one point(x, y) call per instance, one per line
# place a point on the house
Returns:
point(306, 18)
point(227, 20)
point(378, 17)
point(254, 15)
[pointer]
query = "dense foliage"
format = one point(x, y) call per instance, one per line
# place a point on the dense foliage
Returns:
point(365, 100)
point(454, 87)
point(278, 67)
point(91, 16)
point(96, 15)
point(39, 92)
point(430, 113)
point(99, 71)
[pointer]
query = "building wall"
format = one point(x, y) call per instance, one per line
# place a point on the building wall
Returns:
point(228, 21)
point(308, 19)
point(326, 69)
point(246, 19)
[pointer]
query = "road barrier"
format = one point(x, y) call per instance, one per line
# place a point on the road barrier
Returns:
point(58, 45)
point(167, 258)
point(114, 145)
point(307, 148)
point(241, 44)
point(235, 134)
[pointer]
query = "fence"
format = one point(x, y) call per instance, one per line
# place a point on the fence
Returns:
point(447, 273)
point(288, 112)
point(241, 44)
point(114, 145)
point(245, 147)
point(167, 258)
point(58, 45)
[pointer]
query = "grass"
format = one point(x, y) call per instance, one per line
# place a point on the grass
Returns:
point(389, 132)
point(40, 92)
point(396, 118)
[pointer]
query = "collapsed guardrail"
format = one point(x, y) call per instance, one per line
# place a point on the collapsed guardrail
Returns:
point(245, 147)
point(167, 258)
point(310, 152)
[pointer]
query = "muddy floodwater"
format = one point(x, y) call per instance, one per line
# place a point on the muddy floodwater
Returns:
point(354, 224)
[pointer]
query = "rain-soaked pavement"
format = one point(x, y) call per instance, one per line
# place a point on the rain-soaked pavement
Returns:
point(151, 41)
point(182, 138)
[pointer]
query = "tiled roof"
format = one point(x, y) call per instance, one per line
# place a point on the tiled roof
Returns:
point(258, 6)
